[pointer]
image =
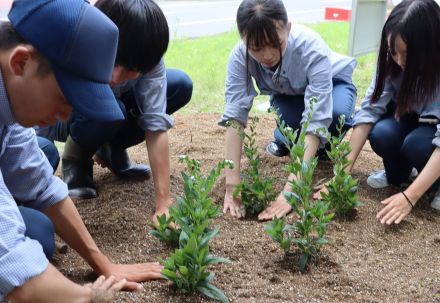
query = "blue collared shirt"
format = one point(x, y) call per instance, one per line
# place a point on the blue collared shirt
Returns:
point(150, 93)
point(308, 68)
point(371, 113)
point(25, 176)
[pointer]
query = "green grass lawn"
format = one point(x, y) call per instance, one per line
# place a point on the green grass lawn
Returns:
point(205, 59)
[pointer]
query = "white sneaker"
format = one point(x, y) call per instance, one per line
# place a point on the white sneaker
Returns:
point(435, 203)
point(379, 179)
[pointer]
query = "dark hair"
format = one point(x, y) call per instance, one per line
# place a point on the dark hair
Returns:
point(9, 38)
point(418, 24)
point(143, 32)
point(256, 22)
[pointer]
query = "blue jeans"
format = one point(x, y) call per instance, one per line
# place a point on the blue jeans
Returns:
point(402, 144)
point(50, 150)
point(39, 227)
point(291, 108)
point(90, 135)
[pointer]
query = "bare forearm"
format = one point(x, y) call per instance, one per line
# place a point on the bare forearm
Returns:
point(50, 286)
point(158, 153)
point(357, 141)
point(233, 152)
point(426, 178)
point(70, 227)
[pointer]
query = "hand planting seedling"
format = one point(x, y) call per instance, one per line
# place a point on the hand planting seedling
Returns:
point(186, 267)
point(312, 217)
point(342, 188)
point(195, 206)
point(254, 191)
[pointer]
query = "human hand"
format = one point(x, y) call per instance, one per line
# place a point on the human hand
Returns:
point(104, 289)
point(134, 273)
point(396, 208)
point(277, 208)
point(322, 188)
point(233, 205)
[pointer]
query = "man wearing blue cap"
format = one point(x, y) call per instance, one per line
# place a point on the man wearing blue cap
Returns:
point(54, 55)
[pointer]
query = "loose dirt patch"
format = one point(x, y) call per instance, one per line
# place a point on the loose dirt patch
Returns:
point(366, 262)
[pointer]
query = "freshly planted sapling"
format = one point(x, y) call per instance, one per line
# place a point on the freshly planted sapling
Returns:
point(278, 231)
point(186, 267)
point(164, 231)
point(195, 207)
point(312, 216)
point(342, 188)
point(254, 191)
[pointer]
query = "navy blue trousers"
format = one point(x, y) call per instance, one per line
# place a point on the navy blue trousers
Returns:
point(402, 144)
point(39, 227)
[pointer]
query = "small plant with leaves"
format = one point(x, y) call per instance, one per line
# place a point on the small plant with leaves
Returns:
point(342, 188)
point(254, 191)
point(194, 208)
point(186, 267)
point(278, 231)
point(310, 227)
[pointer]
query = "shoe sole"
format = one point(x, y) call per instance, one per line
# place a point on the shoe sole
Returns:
point(104, 164)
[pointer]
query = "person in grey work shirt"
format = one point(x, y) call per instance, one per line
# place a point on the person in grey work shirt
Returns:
point(292, 65)
point(401, 110)
point(148, 94)
point(40, 82)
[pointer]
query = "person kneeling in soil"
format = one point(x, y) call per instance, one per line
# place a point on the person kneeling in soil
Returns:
point(401, 110)
point(40, 82)
point(291, 66)
point(147, 94)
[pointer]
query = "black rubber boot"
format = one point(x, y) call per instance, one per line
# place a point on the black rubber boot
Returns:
point(77, 171)
point(118, 162)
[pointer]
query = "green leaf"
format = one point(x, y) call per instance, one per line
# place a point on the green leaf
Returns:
point(213, 292)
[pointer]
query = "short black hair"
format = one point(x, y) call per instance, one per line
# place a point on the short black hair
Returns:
point(417, 22)
point(10, 38)
point(143, 32)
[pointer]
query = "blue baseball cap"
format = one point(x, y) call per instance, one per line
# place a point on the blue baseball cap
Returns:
point(80, 43)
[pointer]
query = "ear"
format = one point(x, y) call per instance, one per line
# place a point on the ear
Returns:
point(19, 60)
point(289, 26)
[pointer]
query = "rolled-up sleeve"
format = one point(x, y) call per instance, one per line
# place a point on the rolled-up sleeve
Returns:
point(151, 97)
point(371, 113)
point(20, 257)
point(27, 172)
point(240, 92)
point(319, 75)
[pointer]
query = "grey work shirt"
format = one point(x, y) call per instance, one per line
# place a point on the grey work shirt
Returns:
point(308, 68)
point(150, 93)
point(371, 113)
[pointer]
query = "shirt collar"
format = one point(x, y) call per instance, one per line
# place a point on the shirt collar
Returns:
point(6, 116)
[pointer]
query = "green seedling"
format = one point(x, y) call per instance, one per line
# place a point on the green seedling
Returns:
point(254, 191)
point(278, 231)
point(312, 217)
point(186, 267)
point(342, 188)
point(163, 230)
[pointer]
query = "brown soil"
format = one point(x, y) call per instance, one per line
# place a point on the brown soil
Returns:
point(366, 261)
